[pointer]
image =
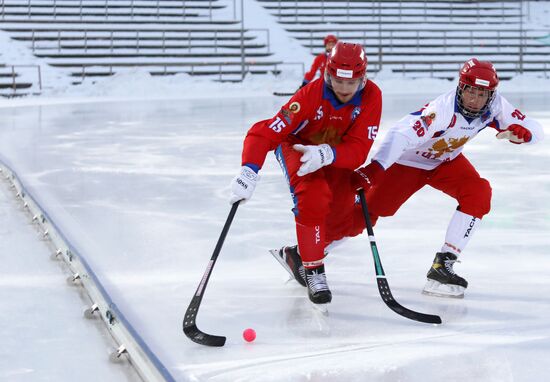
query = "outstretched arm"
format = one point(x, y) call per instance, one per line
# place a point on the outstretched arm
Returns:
point(515, 126)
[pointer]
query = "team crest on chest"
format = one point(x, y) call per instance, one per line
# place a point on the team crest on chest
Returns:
point(428, 119)
point(355, 113)
point(443, 146)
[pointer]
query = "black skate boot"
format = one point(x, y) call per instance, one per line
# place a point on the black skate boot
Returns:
point(442, 279)
point(290, 259)
point(317, 287)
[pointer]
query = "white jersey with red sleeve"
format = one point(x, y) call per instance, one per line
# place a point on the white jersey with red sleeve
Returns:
point(438, 132)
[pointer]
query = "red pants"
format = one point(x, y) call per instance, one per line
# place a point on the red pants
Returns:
point(457, 178)
point(324, 204)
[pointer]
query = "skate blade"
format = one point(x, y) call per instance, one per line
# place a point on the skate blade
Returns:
point(275, 254)
point(321, 308)
point(436, 289)
point(320, 318)
point(288, 279)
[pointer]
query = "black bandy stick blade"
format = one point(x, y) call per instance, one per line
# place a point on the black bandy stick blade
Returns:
point(386, 295)
point(195, 335)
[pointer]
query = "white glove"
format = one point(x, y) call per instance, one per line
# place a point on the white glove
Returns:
point(243, 185)
point(314, 157)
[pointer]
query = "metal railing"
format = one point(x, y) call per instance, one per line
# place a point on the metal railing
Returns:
point(109, 43)
point(299, 64)
point(378, 37)
point(80, 10)
point(13, 74)
point(375, 8)
point(267, 36)
point(221, 70)
point(139, 38)
point(451, 69)
point(384, 42)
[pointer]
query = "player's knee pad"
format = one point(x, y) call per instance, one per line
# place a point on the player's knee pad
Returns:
point(475, 198)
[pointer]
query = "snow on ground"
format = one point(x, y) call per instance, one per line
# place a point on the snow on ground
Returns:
point(140, 186)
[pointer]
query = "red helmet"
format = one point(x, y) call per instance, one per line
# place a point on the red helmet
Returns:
point(330, 38)
point(480, 75)
point(346, 61)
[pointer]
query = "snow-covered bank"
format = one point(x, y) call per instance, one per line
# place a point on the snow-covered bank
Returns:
point(139, 84)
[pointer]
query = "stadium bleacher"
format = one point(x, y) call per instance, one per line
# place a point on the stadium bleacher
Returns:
point(93, 38)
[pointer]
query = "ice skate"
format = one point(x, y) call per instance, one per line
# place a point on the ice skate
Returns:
point(318, 290)
point(290, 260)
point(442, 280)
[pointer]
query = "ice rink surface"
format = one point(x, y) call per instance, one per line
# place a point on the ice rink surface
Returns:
point(141, 189)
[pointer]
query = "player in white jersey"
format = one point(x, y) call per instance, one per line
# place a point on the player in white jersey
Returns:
point(425, 148)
